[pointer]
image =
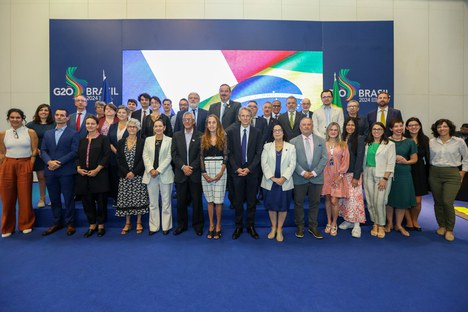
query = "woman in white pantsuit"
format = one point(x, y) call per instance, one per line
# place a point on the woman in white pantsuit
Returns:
point(379, 165)
point(159, 178)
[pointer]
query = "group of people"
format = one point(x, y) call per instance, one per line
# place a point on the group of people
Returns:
point(134, 157)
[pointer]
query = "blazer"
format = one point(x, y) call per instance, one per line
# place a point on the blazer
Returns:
point(283, 119)
point(137, 115)
point(254, 150)
point(270, 126)
point(261, 125)
point(65, 151)
point(72, 124)
point(319, 160)
point(231, 113)
point(356, 159)
point(138, 165)
point(392, 113)
point(103, 119)
point(309, 114)
point(179, 156)
point(112, 135)
point(202, 114)
point(384, 159)
point(320, 121)
point(288, 165)
point(164, 169)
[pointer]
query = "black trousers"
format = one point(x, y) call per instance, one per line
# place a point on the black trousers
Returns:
point(245, 190)
point(95, 207)
point(189, 191)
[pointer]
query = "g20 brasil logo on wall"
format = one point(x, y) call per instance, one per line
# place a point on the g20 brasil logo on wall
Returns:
point(77, 86)
point(349, 89)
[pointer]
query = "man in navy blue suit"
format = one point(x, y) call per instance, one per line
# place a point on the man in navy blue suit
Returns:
point(384, 113)
point(58, 150)
point(244, 150)
point(76, 120)
point(200, 114)
point(258, 121)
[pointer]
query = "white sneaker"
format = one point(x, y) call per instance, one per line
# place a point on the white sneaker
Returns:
point(27, 231)
point(6, 235)
point(356, 232)
point(346, 225)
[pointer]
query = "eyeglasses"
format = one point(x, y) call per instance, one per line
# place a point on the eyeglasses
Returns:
point(377, 129)
point(277, 131)
point(187, 119)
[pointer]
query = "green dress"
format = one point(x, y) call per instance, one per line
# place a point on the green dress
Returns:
point(402, 195)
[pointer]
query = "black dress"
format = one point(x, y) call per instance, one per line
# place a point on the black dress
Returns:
point(420, 170)
point(99, 152)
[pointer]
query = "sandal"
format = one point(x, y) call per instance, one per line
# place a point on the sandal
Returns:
point(210, 234)
point(402, 231)
point(272, 233)
point(328, 229)
point(333, 231)
point(217, 235)
point(139, 228)
point(126, 229)
point(375, 229)
point(381, 232)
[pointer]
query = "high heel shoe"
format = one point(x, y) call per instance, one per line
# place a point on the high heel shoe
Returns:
point(126, 229)
point(217, 235)
point(210, 233)
point(328, 229)
point(333, 231)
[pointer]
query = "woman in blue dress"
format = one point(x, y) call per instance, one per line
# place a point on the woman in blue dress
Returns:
point(278, 164)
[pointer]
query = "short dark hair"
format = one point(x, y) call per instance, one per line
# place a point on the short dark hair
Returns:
point(16, 110)
point(145, 95)
point(156, 99)
point(438, 123)
point(225, 84)
point(395, 121)
point(62, 109)
point(383, 92)
point(132, 101)
point(465, 125)
point(37, 119)
point(326, 91)
point(93, 118)
point(170, 101)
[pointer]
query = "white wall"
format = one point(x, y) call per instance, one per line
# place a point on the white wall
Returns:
point(431, 42)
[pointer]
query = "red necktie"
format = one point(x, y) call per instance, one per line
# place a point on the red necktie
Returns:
point(78, 122)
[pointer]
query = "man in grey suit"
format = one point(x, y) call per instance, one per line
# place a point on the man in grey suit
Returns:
point(226, 110)
point(76, 121)
point(311, 159)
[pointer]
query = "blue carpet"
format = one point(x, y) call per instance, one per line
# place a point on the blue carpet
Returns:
point(189, 273)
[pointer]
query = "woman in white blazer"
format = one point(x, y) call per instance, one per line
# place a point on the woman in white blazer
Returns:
point(379, 165)
point(159, 177)
point(278, 164)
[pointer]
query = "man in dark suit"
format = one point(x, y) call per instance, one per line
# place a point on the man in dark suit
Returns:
point(199, 113)
point(384, 113)
point(58, 150)
point(291, 119)
point(76, 120)
point(185, 151)
point(258, 122)
point(305, 105)
point(353, 111)
point(244, 150)
point(276, 108)
point(270, 121)
point(226, 110)
point(145, 110)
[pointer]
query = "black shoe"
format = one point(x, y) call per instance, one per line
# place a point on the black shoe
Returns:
point(52, 229)
point(70, 230)
point(90, 232)
point(151, 233)
point(237, 232)
point(300, 233)
point(417, 229)
point(101, 232)
point(179, 230)
point(166, 232)
point(315, 233)
point(252, 232)
point(199, 232)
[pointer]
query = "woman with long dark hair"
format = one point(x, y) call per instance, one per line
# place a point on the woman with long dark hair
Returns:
point(352, 206)
point(42, 121)
point(419, 171)
point(447, 153)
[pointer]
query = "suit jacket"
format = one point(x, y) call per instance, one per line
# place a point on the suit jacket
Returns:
point(356, 159)
point(270, 126)
point(308, 114)
point(148, 124)
point(320, 121)
point(165, 168)
point(319, 160)
point(391, 114)
point(231, 113)
point(103, 119)
point(72, 124)
point(179, 156)
point(202, 114)
point(137, 115)
point(138, 165)
point(284, 121)
point(384, 159)
point(65, 151)
point(112, 135)
point(261, 125)
point(254, 150)
point(288, 165)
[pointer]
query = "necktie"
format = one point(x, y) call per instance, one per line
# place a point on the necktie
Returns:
point(253, 122)
point(78, 122)
point(144, 116)
point(195, 117)
point(382, 116)
point(308, 151)
point(291, 120)
point(244, 147)
point(221, 111)
point(276, 116)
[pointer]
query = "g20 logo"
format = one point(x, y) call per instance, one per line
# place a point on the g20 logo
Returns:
point(63, 91)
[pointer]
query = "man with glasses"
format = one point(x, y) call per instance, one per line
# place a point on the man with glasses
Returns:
point(276, 107)
point(326, 114)
point(76, 121)
point(305, 105)
point(353, 108)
